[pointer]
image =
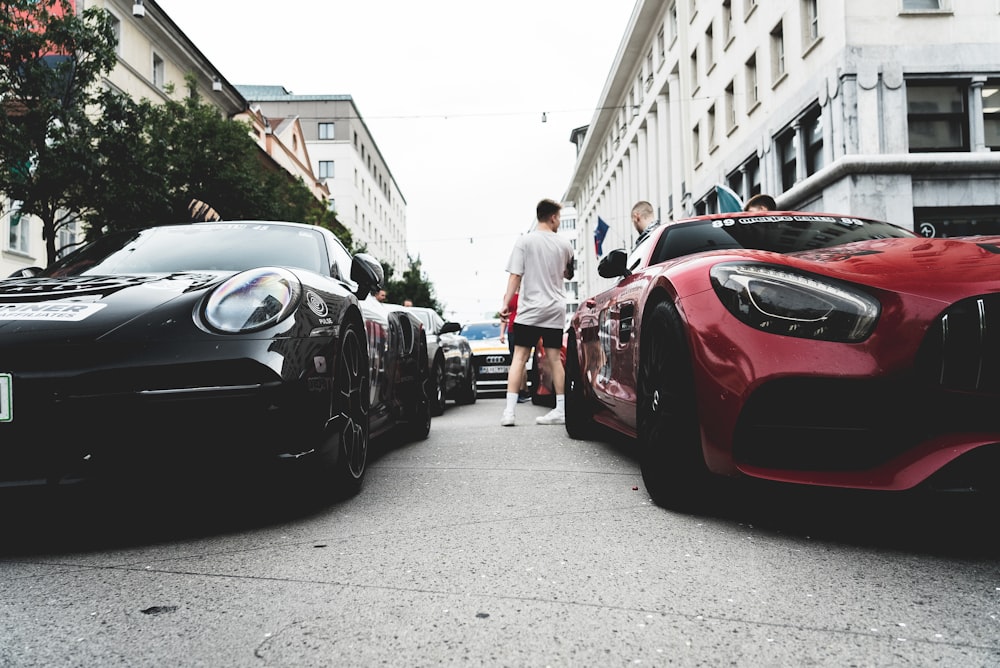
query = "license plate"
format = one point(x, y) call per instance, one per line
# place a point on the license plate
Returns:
point(6, 398)
point(494, 369)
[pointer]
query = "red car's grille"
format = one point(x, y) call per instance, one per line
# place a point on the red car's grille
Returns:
point(962, 349)
point(827, 424)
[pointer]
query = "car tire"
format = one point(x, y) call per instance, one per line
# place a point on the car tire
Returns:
point(579, 420)
point(467, 393)
point(435, 389)
point(349, 410)
point(670, 453)
point(418, 426)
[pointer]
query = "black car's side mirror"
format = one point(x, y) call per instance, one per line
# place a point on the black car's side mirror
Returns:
point(367, 272)
point(614, 264)
point(451, 328)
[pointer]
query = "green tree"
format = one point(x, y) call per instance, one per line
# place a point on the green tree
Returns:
point(413, 285)
point(157, 158)
point(51, 61)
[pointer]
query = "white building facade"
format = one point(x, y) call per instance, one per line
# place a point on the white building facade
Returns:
point(363, 192)
point(888, 109)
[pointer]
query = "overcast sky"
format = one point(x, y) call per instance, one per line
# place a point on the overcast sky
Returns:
point(453, 92)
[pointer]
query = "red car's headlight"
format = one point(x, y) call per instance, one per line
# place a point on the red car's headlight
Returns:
point(774, 299)
point(253, 300)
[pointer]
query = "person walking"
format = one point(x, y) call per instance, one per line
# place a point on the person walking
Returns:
point(538, 264)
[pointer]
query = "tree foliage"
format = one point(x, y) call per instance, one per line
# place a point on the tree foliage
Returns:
point(51, 62)
point(413, 286)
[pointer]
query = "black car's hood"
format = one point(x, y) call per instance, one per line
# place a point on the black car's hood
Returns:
point(87, 308)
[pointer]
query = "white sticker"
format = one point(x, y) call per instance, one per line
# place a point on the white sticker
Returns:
point(60, 311)
point(6, 398)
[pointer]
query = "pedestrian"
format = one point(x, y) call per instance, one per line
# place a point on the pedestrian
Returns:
point(407, 302)
point(538, 264)
point(380, 295)
point(761, 202)
point(644, 219)
point(507, 332)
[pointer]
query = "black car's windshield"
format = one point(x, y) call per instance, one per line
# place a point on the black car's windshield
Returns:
point(478, 331)
point(777, 233)
point(202, 247)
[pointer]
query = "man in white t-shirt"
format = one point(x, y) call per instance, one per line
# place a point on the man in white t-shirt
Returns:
point(539, 263)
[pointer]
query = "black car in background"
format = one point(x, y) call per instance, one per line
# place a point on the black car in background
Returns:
point(203, 347)
point(452, 371)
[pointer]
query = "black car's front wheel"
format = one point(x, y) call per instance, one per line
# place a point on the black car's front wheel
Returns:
point(670, 454)
point(350, 400)
point(436, 389)
point(467, 390)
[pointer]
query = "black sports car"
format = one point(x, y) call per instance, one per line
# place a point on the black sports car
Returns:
point(174, 348)
point(453, 373)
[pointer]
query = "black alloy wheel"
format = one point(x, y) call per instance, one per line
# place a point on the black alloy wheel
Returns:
point(670, 453)
point(349, 413)
point(579, 421)
point(467, 391)
point(436, 389)
point(418, 425)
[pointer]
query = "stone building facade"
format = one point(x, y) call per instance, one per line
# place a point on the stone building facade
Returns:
point(886, 109)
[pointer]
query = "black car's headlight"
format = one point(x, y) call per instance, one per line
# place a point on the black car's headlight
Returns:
point(777, 300)
point(253, 300)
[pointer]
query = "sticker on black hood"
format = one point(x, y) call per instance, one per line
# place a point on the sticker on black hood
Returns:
point(60, 311)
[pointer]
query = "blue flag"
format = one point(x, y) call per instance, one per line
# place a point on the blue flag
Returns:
point(600, 232)
point(729, 202)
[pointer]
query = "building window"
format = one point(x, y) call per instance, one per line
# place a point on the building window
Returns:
point(777, 53)
point(325, 169)
point(326, 131)
point(159, 74)
point(810, 21)
point(661, 45)
point(751, 6)
point(19, 229)
point(812, 129)
point(922, 5)
point(991, 114)
point(69, 236)
point(649, 69)
point(752, 96)
point(787, 144)
point(694, 70)
point(727, 22)
point(696, 145)
point(116, 30)
point(709, 48)
point(730, 110)
point(713, 142)
point(938, 117)
point(672, 20)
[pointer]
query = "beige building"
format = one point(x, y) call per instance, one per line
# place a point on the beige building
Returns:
point(345, 158)
point(889, 109)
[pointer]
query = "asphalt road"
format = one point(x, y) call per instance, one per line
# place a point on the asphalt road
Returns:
point(498, 547)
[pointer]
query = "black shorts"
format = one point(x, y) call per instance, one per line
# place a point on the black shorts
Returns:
point(528, 335)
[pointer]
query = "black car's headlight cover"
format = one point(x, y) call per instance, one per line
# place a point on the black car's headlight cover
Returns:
point(252, 300)
point(775, 299)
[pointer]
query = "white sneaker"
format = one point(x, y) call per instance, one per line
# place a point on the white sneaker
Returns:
point(507, 419)
point(554, 416)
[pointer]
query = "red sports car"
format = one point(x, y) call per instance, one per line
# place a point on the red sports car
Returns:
point(808, 348)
